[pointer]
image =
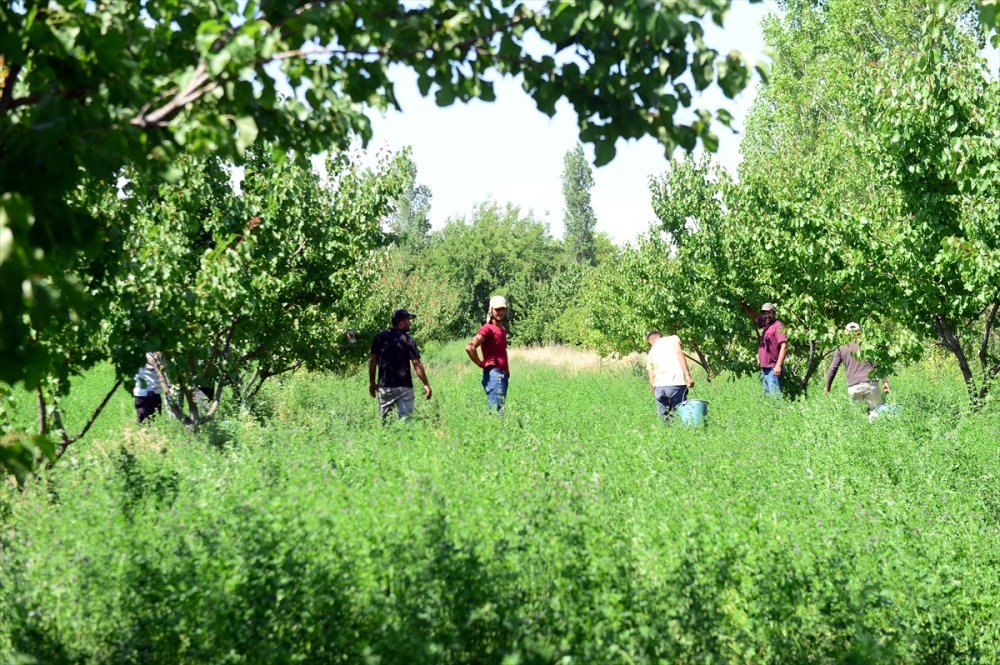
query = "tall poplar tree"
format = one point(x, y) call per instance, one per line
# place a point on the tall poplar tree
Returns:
point(579, 221)
point(410, 220)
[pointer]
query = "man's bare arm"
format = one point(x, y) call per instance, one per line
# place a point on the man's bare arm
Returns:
point(372, 364)
point(782, 350)
point(471, 347)
point(749, 311)
point(684, 364)
point(419, 368)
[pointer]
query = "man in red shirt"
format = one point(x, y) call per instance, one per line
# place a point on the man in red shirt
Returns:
point(772, 346)
point(492, 337)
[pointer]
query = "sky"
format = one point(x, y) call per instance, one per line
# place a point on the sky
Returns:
point(508, 151)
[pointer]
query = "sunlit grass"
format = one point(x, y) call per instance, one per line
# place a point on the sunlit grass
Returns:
point(785, 531)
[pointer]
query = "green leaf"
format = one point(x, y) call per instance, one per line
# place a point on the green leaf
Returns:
point(604, 152)
point(711, 141)
point(246, 128)
point(445, 96)
point(703, 68)
point(989, 10)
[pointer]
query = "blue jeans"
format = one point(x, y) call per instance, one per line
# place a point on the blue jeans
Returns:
point(772, 383)
point(495, 385)
point(400, 399)
point(669, 398)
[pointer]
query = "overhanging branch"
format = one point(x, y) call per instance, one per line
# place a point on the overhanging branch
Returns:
point(67, 440)
point(199, 85)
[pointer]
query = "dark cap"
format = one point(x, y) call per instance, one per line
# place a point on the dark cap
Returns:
point(401, 315)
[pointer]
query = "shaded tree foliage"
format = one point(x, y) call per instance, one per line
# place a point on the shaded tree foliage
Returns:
point(230, 289)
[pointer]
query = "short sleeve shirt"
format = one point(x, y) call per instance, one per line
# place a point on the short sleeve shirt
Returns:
point(664, 362)
point(494, 347)
point(771, 339)
point(395, 349)
point(146, 382)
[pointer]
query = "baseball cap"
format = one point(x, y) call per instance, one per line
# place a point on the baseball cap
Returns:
point(767, 306)
point(497, 301)
point(400, 315)
point(852, 327)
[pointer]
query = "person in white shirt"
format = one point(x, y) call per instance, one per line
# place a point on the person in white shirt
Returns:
point(147, 391)
point(669, 376)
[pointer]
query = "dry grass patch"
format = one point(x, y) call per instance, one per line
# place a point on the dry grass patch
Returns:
point(134, 439)
point(571, 359)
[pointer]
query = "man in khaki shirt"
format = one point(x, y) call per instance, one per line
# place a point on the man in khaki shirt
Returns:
point(860, 386)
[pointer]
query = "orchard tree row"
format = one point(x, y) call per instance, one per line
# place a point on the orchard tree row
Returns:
point(869, 192)
point(226, 287)
point(449, 274)
point(94, 92)
point(164, 96)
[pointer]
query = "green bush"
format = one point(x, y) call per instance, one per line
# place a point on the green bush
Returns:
point(576, 529)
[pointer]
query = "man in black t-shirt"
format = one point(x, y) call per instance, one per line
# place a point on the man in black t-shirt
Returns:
point(393, 351)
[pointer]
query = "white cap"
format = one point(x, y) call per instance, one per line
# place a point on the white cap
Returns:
point(497, 301)
point(852, 327)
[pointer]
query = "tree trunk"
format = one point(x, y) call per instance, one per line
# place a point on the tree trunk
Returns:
point(951, 342)
point(43, 420)
point(703, 361)
point(984, 349)
point(812, 362)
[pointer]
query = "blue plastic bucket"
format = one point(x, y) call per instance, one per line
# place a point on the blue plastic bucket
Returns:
point(887, 409)
point(692, 412)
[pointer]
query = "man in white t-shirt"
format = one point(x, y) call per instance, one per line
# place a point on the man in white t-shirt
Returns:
point(147, 394)
point(669, 376)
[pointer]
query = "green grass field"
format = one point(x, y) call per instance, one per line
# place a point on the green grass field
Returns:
point(575, 530)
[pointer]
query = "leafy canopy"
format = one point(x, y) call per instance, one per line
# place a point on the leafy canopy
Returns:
point(86, 88)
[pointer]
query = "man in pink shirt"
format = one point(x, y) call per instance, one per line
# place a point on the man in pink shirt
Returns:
point(492, 338)
point(771, 347)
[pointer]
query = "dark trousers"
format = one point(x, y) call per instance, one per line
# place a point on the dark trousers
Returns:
point(668, 398)
point(148, 406)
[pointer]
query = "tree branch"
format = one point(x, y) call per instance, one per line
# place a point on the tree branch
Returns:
point(254, 390)
point(199, 85)
point(57, 421)
point(166, 390)
point(8, 87)
point(254, 352)
point(389, 53)
point(245, 382)
point(953, 344)
point(267, 375)
point(216, 397)
point(75, 93)
point(984, 349)
point(86, 428)
point(43, 420)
